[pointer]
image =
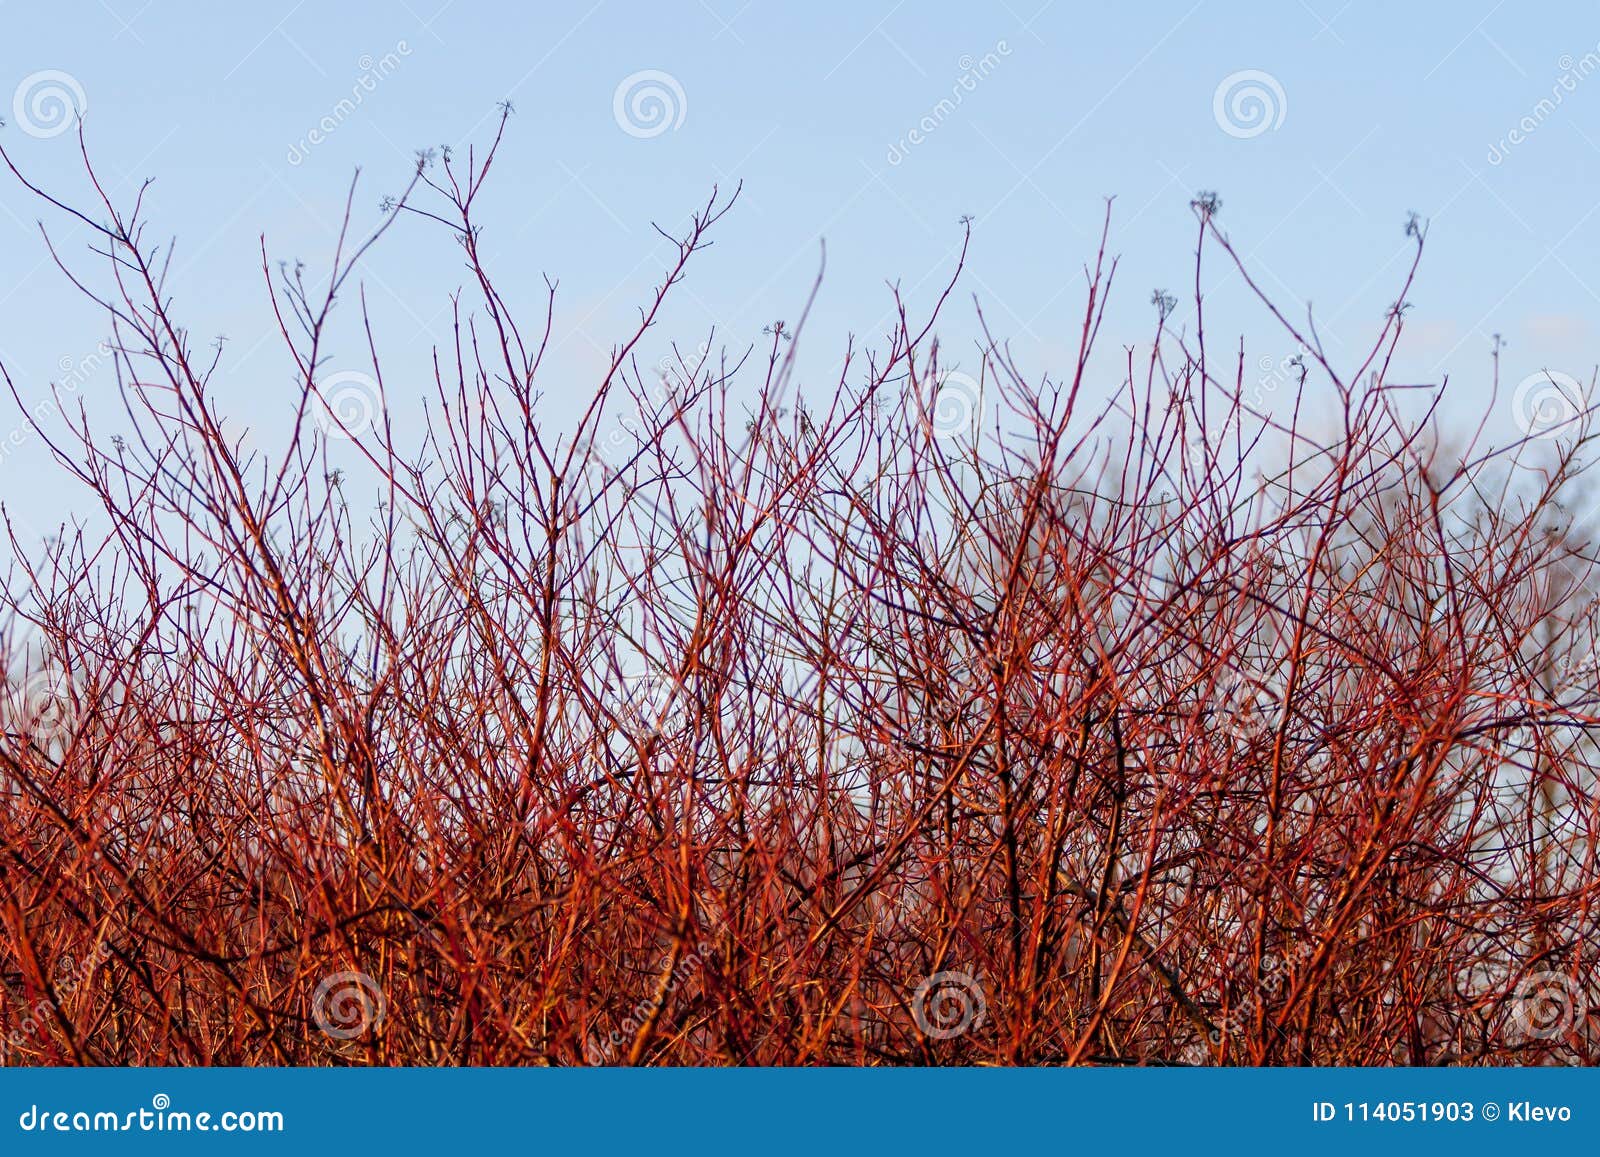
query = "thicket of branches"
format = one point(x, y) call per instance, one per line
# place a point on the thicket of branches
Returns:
point(707, 730)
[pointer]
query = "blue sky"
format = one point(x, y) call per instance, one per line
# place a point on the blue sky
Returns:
point(1375, 111)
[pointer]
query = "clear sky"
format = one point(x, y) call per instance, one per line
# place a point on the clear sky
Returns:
point(1371, 111)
